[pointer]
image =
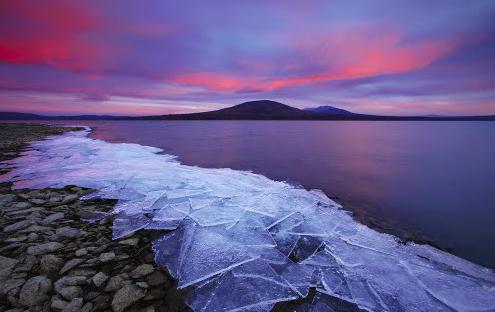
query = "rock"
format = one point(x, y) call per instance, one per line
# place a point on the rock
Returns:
point(44, 248)
point(142, 270)
point(156, 278)
point(87, 307)
point(7, 199)
point(53, 217)
point(6, 267)
point(69, 199)
point(99, 279)
point(21, 205)
point(74, 306)
point(70, 292)
point(101, 303)
point(71, 281)
point(142, 285)
point(130, 242)
point(58, 303)
point(149, 309)
point(32, 237)
point(11, 284)
point(17, 226)
point(81, 252)
point(16, 239)
point(36, 229)
point(35, 291)
point(28, 264)
point(115, 283)
point(106, 256)
point(50, 263)
point(37, 201)
point(69, 232)
point(69, 265)
point(126, 296)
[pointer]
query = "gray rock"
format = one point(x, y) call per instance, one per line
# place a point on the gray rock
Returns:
point(7, 199)
point(69, 232)
point(157, 278)
point(81, 252)
point(126, 296)
point(87, 307)
point(69, 265)
point(44, 248)
point(74, 306)
point(142, 270)
point(16, 239)
point(35, 291)
point(58, 303)
point(50, 263)
point(99, 279)
point(11, 284)
point(6, 267)
point(53, 217)
point(36, 229)
point(69, 199)
point(106, 256)
point(71, 281)
point(37, 201)
point(142, 285)
point(17, 226)
point(70, 292)
point(115, 283)
point(21, 205)
point(32, 237)
point(130, 242)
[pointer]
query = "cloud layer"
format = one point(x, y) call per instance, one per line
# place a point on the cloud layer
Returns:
point(385, 57)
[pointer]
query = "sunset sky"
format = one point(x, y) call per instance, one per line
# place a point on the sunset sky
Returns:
point(158, 57)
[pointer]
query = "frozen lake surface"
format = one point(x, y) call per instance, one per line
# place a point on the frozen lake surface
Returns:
point(240, 241)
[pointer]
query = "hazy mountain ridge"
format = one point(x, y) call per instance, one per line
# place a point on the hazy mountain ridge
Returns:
point(253, 110)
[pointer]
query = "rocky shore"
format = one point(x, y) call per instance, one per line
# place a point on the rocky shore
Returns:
point(52, 260)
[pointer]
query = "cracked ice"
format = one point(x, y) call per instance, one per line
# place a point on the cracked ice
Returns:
point(238, 241)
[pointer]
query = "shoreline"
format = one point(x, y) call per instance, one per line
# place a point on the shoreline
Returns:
point(50, 259)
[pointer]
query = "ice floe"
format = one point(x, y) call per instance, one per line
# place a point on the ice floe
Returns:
point(238, 241)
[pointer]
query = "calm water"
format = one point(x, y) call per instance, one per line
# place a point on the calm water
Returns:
point(434, 177)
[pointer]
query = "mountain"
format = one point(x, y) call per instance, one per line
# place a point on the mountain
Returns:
point(330, 110)
point(253, 110)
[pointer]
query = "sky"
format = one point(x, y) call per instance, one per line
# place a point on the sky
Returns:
point(159, 57)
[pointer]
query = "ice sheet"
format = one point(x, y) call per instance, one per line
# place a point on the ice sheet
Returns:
point(238, 241)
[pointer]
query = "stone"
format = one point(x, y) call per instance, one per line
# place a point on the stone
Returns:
point(50, 263)
point(21, 205)
point(75, 305)
point(37, 201)
point(53, 217)
point(69, 265)
point(71, 281)
point(126, 296)
point(32, 237)
point(35, 291)
point(81, 252)
point(17, 226)
point(142, 285)
point(99, 279)
point(87, 307)
point(69, 199)
point(11, 284)
point(36, 229)
point(6, 267)
point(28, 264)
point(115, 283)
point(142, 270)
point(70, 292)
point(69, 232)
point(7, 199)
point(44, 248)
point(129, 242)
point(106, 256)
point(156, 278)
point(58, 303)
point(16, 239)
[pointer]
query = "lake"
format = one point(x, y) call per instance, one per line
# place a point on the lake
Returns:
point(433, 179)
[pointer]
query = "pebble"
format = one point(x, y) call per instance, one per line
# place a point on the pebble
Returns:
point(74, 306)
point(53, 217)
point(68, 232)
point(81, 252)
point(106, 256)
point(126, 296)
point(44, 248)
point(35, 291)
point(50, 263)
point(115, 283)
point(130, 242)
point(142, 270)
point(17, 226)
point(99, 279)
point(69, 265)
point(6, 266)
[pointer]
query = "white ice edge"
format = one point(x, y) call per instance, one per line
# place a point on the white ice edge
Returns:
point(239, 212)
